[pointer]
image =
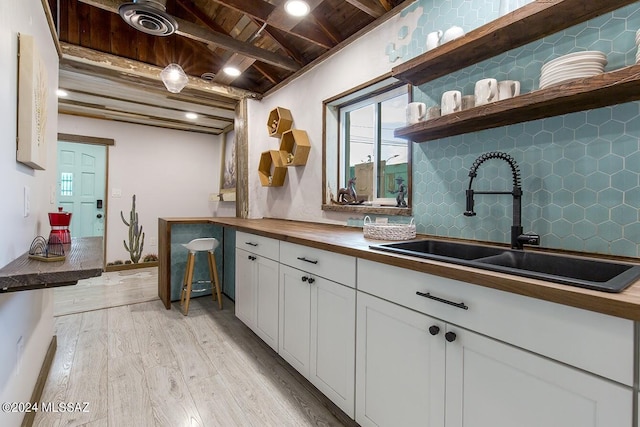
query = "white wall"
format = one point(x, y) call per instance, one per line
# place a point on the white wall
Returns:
point(301, 196)
point(23, 315)
point(172, 173)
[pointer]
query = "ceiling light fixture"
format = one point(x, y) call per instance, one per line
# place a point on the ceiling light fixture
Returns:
point(62, 93)
point(174, 78)
point(231, 71)
point(191, 116)
point(297, 8)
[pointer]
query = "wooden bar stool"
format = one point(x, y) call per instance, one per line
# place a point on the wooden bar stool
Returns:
point(209, 245)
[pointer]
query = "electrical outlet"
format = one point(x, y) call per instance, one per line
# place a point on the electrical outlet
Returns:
point(153, 241)
point(116, 192)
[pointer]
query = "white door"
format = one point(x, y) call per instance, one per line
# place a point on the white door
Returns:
point(81, 186)
point(246, 279)
point(333, 342)
point(267, 300)
point(400, 366)
point(491, 384)
point(295, 318)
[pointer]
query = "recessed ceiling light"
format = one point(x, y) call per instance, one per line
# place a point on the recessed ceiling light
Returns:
point(231, 71)
point(297, 7)
point(62, 93)
point(191, 116)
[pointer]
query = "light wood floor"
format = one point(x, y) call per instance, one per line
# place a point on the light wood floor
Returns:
point(111, 289)
point(142, 365)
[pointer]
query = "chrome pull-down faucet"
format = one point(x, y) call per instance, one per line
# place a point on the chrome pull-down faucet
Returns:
point(518, 238)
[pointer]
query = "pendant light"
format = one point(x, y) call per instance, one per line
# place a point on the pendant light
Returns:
point(174, 78)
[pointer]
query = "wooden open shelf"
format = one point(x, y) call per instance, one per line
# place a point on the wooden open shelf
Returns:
point(615, 87)
point(524, 25)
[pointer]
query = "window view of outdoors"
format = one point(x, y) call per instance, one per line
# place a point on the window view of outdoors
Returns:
point(372, 155)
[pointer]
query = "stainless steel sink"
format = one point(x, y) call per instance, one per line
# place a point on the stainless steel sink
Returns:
point(590, 273)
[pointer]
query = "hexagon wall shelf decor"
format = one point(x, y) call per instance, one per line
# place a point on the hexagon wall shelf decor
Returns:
point(295, 143)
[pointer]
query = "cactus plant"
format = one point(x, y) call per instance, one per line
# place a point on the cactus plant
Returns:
point(136, 235)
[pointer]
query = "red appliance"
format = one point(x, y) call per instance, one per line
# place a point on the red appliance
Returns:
point(59, 222)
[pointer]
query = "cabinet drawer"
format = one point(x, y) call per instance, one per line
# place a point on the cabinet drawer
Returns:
point(591, 341)
point(260, 245)
point(337, 267)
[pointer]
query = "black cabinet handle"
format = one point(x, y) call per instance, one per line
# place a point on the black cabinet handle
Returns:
point(445, 301)
point(251, 257)
point(305, 278)
point(434, 330)
point(450, 336)
point(250, 243)
point(301, 258)
point(311, 280)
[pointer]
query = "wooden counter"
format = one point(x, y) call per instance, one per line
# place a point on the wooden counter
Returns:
point(84, 259)
point(350, 241)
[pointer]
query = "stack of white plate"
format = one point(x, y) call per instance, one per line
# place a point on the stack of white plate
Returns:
point(572, 66)
point(638, 44)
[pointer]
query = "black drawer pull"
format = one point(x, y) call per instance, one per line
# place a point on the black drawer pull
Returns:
point(251, 257)
point(250, 243)
point(312, 261)
point(455, 304)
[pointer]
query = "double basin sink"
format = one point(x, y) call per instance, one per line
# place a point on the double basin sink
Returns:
point(601, 275)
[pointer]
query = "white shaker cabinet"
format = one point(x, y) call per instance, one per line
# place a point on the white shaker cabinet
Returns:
point(317, 321)
point(400, 375)
point(417, 365)
point(257, 286)
point(415, 370)
point(492, 384)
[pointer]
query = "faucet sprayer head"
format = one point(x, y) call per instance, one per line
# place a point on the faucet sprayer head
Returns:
point(469, 211)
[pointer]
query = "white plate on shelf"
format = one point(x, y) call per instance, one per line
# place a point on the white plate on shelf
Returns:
point(560, 73)
point(573, 68)
point(563, 79)
point(577, 57)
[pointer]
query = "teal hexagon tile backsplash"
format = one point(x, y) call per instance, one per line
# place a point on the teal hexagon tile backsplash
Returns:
point(580, 171)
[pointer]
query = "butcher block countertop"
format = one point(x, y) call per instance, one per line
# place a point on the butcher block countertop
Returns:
point(350, 241)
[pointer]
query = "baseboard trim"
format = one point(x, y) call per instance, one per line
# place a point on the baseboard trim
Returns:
point(132, 266)
point(36, 396)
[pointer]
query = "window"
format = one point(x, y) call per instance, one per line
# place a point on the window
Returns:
point(365, 150)
point(66, 184)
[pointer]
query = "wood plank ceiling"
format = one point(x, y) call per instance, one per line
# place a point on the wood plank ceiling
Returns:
point(111, 69)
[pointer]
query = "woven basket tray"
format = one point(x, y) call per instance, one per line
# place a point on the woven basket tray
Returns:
point(388, 231)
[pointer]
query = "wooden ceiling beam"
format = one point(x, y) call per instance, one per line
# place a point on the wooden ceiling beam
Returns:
point(205, 35)
point(76, 54)
point(279, 19)
point(326, 26)
point(371, 7)
point(235, 60)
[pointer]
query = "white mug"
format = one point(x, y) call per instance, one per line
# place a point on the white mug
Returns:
point(416, 112)
point(433, 39)
point(508, 89)
point(452, 34)
point(451, 102)
point(486, 91)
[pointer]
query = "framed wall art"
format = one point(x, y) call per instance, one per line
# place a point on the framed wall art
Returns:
point(228, 175)
point(32, 105)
